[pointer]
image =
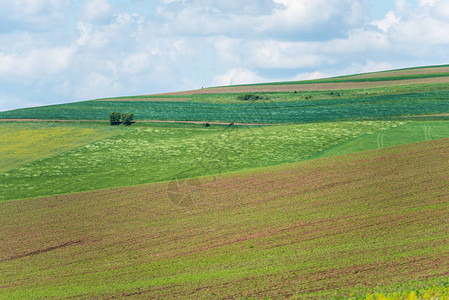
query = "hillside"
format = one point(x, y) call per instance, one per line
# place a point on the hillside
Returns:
point(327, 188)
point(402, 93)
point(374, 221)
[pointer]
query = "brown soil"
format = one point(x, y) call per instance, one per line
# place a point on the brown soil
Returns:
point(51, 120)
point(48, 249)
point(404, 72)
point(436, 115)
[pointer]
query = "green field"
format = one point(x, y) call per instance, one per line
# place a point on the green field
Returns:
point(411, 132)
point(147, 154)
point(309, 194)
point(302, 111)
point(360, 108)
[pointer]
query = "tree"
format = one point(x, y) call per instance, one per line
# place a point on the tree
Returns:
point(114, 118)
point(127, 118)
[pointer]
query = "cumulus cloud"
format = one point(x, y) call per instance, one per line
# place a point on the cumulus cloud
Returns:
point(286, 19)
point(97, 10)
point(36, 62)
point(237, 76)
point(32, 14)
point(270, 54)
point(385, 23)
point(96, 85)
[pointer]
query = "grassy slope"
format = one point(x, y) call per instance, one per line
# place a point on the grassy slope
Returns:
point(412, 132)
point(150, 154)
point(372, 221)
point(21, 143)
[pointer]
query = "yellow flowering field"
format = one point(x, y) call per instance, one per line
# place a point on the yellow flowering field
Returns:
point(22, 142)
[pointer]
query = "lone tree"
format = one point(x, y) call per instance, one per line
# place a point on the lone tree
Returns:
point(114, 118)
point(127, 118)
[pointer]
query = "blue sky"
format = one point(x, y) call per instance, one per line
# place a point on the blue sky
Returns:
point(55, 51)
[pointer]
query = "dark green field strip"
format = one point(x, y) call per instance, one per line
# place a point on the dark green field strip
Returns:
point(320, 229)
point(267, 112)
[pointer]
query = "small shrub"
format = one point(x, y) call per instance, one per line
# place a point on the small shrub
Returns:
point(127, 118)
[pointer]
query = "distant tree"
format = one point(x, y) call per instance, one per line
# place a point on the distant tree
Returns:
point(114, 118)
point(127, 118)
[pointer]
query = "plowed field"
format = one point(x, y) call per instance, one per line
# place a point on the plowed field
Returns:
point(328, 227)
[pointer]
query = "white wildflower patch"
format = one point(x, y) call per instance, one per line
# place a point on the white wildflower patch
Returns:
point(149, 155)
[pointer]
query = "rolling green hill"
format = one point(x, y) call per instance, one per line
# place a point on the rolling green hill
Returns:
point(330, 188)
point(274, 112)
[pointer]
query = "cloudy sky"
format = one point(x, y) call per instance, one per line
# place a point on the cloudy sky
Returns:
point(55, 51)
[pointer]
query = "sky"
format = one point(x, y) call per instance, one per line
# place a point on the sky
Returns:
point(58, 51)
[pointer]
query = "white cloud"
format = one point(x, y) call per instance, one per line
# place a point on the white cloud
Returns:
point(440, 8)
point(310, 75)
point(307, 14)
point(97, 10)
point(36, 62)
point(136, 63)
point(237, 76)
point(426, 2)
point(37, 14)
point(389, 19)
point(97, 85)
point(286, 19)
point(270, 54)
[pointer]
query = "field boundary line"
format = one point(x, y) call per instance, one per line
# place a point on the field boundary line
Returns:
point(151, 121)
